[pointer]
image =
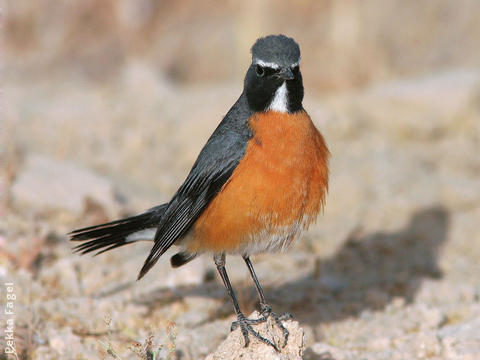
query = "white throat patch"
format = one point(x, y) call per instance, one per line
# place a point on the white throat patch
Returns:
point(280, 100)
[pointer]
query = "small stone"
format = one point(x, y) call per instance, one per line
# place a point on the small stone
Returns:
point(379, 343)
point(468, 293)
point(64, 342)
point(431, 318)
point(63, 274)
point(426, 345)
point(461, 341)
point(233, 347)
point(50, 184)
point(396, 304)
point(329, 352)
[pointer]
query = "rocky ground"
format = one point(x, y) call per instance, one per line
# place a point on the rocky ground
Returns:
point(389, 271)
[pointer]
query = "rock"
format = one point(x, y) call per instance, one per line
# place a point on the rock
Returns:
point(426, 345)
point(63, 344)
point(325, 351)
point(461, 341)
point(233, 347)
point(199, 340)
point(62, 277)
point(423, 108)
point(49, 184)
point(379, 343)
point(431, 317)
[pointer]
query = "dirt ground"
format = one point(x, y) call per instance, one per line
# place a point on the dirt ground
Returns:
point(389, 271)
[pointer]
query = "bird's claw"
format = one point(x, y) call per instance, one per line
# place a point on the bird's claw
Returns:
point(246, 328)
point(248, 321)
point(266, 311)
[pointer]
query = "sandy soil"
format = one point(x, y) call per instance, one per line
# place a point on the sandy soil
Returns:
point(105, 106)
point(390, 270)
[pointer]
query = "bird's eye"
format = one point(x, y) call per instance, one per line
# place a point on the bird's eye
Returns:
point(259, 70)
point(295, 70)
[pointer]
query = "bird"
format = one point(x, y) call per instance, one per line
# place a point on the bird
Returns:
point(258, 182)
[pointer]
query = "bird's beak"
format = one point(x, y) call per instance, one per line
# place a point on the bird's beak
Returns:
point(286, 74)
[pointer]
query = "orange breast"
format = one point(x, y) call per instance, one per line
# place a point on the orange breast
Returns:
point(277, 189)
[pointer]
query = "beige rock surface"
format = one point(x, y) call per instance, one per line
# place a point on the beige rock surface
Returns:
point(234, 345)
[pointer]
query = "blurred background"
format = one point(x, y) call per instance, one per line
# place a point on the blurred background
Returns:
point(106, 104)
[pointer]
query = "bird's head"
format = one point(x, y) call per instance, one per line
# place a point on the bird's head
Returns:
point(273, 80)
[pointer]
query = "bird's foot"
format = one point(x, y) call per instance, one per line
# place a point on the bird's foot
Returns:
point(246, 328)
point(266, 311)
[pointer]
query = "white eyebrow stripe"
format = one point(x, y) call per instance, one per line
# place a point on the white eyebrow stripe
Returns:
point(266, 64)
point(272, 65)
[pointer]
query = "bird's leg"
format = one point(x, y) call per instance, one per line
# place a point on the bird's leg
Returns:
point(242, 321)
point(266, 309)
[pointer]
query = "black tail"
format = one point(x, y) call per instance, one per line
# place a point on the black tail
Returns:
point(113, 234)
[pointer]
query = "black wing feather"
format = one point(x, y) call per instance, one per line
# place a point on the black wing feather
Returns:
point(212, 169)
